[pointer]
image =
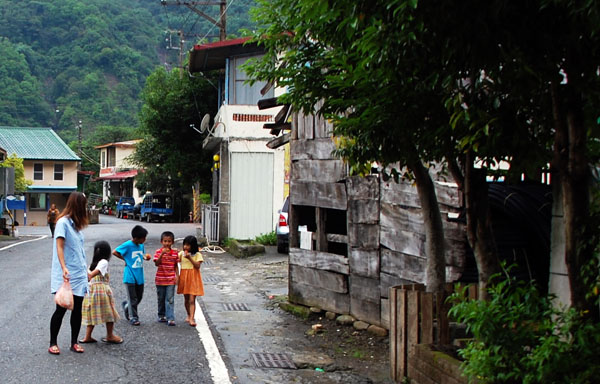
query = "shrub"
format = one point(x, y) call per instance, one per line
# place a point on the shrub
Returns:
point(520, 337)
point(226, 242)
point(205, 198)
point(267, 238)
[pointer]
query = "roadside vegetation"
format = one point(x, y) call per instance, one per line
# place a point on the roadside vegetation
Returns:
point(465, 85)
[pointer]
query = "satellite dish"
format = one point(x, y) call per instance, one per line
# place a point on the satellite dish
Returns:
point(205, 122)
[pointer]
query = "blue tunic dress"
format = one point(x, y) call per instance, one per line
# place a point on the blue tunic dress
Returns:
point(74, 258)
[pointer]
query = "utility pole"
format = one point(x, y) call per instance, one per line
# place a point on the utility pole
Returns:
point(181, 36)
point(192, 5)
point(79, 142)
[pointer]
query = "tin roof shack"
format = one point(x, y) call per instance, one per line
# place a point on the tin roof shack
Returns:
point(248, 177)
point(351, 238)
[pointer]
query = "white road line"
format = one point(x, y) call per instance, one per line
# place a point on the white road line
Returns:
point(23, 242)
point(218, 370)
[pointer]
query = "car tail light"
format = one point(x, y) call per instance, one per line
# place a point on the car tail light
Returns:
point(282, 221)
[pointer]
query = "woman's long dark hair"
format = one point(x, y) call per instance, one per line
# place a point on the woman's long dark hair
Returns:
point(101, 252)
point(76, 209)
point(192, 242)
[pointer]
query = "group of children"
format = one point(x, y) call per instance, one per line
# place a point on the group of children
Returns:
point(174, 269)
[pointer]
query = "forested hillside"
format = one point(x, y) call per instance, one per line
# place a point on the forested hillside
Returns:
point(71, 60)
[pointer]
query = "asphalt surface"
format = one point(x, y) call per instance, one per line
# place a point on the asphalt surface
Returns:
point(237, 321)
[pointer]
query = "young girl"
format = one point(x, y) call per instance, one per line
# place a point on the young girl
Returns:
point(98, 304)
point(190, 279)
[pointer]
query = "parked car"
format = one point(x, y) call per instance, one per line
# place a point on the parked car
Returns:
point(282, 229)
point(125, 206)
point(156, 207)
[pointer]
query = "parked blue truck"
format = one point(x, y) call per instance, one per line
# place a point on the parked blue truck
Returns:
point(156, 207)
point(125, 207)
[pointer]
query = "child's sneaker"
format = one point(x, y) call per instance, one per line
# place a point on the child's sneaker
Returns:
point(171, 323)
point(125, 309)
point(162, 319)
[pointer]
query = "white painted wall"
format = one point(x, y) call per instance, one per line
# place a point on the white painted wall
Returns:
point(251, 194)
point(278, 173)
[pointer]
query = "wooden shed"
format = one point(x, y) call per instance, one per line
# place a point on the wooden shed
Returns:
point(351, 238)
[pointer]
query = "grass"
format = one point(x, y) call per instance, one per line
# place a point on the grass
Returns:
point(267, 238)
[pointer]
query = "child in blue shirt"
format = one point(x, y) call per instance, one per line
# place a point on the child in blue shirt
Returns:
point(133, 253)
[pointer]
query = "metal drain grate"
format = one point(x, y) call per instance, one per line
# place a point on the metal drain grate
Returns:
point(235, 307)
point(211, 279)
point(273, 360)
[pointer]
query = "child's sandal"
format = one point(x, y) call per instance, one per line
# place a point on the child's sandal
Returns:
point(77, 348)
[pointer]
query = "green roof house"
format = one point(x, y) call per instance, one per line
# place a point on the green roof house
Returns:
point(49, 163)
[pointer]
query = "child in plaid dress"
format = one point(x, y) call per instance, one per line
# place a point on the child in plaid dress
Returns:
point(98, 304)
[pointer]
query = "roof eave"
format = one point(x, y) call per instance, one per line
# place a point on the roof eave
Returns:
point(207, 57)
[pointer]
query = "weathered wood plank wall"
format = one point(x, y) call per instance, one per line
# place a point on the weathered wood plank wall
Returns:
point(385, 236)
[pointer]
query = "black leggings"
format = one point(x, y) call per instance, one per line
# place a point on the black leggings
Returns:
point(57, 318)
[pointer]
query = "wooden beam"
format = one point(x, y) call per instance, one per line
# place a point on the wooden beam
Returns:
point(282, 115)
point(336, 238)
point(330, 281)
point(280, 126)
point(317, 149)
point(319, 260)
point(321, 218)
point(318, 297)
point(279, 141)
point(268, 103)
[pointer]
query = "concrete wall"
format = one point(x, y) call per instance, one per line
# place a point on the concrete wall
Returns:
point(69, 173)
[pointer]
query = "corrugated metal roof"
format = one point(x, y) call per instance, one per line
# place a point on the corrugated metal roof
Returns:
point(205, 57)
point(122, 144)
point(35, 143)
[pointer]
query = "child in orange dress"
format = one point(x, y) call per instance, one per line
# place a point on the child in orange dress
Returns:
point(190, 278)
point(98, 304)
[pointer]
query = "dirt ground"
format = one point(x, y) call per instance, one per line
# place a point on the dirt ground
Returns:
point(358, 351)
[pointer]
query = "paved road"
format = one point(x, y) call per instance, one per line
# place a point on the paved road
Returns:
point(151, 353)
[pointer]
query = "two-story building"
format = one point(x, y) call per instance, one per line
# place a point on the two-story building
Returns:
point(48, 162)
point(116, 171)
point(249, 176)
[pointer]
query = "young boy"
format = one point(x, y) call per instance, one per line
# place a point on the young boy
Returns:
point(167, 275)
point(132, 252)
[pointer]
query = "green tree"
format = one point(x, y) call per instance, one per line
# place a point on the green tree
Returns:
point(414, 81)
point(15, 162)
point(358, 59)
point(171, 150)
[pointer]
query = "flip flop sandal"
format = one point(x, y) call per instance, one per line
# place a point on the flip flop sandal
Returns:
point(77, 348)
point(105, 340)
point(83, 341)
point(54, 350)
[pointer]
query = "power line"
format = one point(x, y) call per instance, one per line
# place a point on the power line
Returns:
point(220, 21)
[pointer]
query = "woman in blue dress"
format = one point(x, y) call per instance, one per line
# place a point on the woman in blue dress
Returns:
point(69, 264)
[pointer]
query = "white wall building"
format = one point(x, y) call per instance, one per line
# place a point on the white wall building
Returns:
point(248, 185)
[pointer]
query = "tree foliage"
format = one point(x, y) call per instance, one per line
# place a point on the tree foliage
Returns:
point(464, 81)
point(15, 162)
point(71, 60)
point(171, 150)
point(521, 337)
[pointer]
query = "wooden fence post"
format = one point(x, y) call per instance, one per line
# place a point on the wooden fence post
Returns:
point(398, 303)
